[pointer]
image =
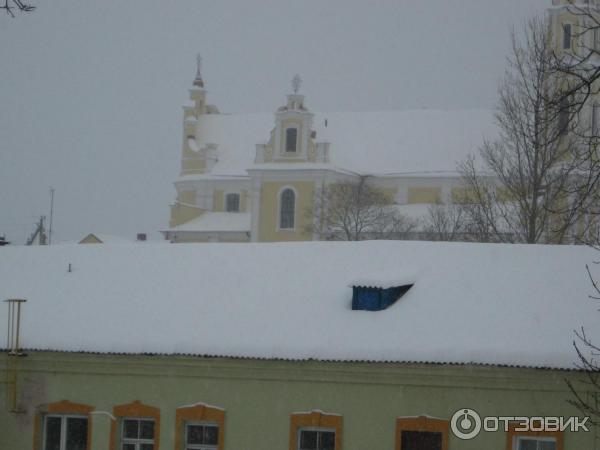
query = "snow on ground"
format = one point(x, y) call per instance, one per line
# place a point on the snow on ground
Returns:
point(489, 304)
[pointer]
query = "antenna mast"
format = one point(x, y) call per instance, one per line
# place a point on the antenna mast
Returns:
point(51, 214)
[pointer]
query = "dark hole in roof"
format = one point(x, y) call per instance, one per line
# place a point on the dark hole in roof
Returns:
point(369, 298)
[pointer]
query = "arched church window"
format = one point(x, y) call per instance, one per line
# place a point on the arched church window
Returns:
point(287, 209)
point(232, 203)
point(291, 137)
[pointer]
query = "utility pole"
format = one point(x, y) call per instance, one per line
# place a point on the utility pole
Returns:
point(51, 214)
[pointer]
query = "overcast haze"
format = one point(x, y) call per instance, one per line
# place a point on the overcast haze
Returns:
point(91, 92)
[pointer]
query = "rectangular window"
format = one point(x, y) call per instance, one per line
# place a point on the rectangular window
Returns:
point(563, 116)
point(595, 118)
point(596, 43)
point(567, 36)
point(534, 443)
point(65, 433)
point(200, 436)
point(316, 440)
point(137, 434)
point(291, 136)
point(232, 203)
point(421, 440)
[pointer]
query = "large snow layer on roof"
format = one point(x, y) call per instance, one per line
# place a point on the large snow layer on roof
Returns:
point(471, 303)
point(383, 142)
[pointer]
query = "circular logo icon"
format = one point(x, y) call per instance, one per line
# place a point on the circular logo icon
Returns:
point(465, 424)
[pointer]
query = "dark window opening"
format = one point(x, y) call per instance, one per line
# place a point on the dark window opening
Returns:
point(287, 210)
point(232, 202)
point(421, 440)
point(316, 440)
point(563, 116)
point(567, 36)
point(291, 136)
point(65, 433)
point(202, 436)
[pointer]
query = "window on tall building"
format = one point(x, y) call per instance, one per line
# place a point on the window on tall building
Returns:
point(595, 119)
point(567, 36)
point(287, 209)
point(232, 202)
point(65, 432)
point(596, 37)
point(316, 439)
point(137, 434)
point(563, 116)
point(291, 138)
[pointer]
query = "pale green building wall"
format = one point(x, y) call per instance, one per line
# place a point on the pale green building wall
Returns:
point(259, 395)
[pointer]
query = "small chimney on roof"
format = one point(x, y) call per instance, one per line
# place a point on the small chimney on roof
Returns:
point(141, 237)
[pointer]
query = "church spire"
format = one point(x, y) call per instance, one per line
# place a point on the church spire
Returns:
point(296, 83)
point(198, 82)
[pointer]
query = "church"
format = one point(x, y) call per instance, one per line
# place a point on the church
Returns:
point(258, 177)
point(255, 177)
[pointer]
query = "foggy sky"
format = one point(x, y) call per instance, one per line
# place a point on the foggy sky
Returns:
point(91, 92)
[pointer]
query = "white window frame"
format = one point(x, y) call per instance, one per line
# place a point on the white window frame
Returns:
point(279, 195)
point(301, 429)
point(285, 150)
point(63, 428)
point(537, 439)
point(138, 441)
point(200, 446)
point(239, 201)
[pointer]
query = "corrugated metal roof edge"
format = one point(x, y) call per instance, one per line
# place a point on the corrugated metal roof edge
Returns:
point(329, 360)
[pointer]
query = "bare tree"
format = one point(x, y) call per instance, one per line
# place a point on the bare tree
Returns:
point(525, 179)
point(445, 222)
point(586, 390)
point(10, 5)
point(354, 211)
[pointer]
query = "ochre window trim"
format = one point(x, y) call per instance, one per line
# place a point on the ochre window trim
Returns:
point(317, 419)
point(65, 407)
point(199, 412)
point(135, 409)
point(422, 423)
point(512, 433)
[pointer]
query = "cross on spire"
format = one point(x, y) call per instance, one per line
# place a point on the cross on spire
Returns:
point(296, 83)
point(198, 80)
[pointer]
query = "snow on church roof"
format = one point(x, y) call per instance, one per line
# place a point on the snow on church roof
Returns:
point(217, 221)
point(471, 303)
point(411, 141)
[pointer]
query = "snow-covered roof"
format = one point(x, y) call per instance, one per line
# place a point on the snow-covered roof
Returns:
point(470, 303)
point(421, 141)
point(216, 221)
point(107, 238)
